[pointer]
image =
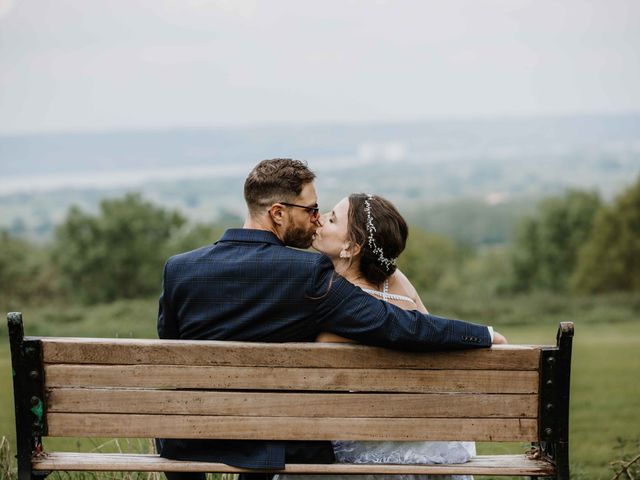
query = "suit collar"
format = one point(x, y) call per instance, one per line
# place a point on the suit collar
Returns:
point(250, 235)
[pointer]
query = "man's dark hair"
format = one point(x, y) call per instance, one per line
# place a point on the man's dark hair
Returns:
point(275, 180)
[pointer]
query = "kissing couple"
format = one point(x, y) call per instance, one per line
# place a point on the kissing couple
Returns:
point(251, 285)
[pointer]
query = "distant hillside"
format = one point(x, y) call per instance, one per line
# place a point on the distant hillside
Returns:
point(494, 166)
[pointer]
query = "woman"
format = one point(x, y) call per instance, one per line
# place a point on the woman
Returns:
point(364, 235)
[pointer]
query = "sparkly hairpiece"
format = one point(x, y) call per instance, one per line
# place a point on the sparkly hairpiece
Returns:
point(387, 263)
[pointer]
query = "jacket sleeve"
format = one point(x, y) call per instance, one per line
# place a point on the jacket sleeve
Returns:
point(344, 309)
point(167, 322)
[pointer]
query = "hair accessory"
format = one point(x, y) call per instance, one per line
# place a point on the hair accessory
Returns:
point(387, 263)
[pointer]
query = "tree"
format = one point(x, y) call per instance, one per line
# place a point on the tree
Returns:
point(544, 255)
point(428, 259)
point(487, 272)
point(610, 259)
point(191, 237)
point(118, 253)
point(26, 273)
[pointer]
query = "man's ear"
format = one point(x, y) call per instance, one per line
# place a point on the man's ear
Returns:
point(276, 212)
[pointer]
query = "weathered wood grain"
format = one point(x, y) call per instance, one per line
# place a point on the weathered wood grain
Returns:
point(301, 355)
point(290, 428)
point(482, 464)
point(268, 378)
point(382, 405)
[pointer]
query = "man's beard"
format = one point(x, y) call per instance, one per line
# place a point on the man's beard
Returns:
point(298, 237)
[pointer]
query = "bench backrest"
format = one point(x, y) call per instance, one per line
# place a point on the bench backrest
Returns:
point(191, 389)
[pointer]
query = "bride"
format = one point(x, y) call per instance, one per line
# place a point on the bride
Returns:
point(364, 235)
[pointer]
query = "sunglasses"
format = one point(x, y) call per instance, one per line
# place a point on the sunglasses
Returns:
point(314, 211)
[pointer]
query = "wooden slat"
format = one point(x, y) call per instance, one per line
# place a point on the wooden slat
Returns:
point(181, 352)
point(292, 428)
point(484, 464)
point(83, 400)
point(267, 378)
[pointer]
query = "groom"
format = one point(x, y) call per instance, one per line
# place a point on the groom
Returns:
point(250, 286)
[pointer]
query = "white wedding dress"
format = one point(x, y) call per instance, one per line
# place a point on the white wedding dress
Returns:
point(349, 451)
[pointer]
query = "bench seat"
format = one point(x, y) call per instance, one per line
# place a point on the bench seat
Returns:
point(482, 464)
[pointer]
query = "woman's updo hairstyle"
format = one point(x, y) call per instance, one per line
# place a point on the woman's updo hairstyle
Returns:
point(389, 234)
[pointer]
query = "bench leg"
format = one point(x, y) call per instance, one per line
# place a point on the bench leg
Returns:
point(28, 396)
point(562, 460)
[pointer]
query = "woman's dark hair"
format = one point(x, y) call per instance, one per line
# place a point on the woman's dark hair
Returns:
point(390, 234)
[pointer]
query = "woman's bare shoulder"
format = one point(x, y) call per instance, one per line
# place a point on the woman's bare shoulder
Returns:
point(399, 283)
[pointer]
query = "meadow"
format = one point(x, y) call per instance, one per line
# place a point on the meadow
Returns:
point(605, 392)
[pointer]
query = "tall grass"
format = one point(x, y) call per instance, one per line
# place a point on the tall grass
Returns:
point(8, 469)
point(116, 446)
point(7, 465)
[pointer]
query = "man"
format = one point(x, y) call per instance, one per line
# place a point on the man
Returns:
point(250, 286)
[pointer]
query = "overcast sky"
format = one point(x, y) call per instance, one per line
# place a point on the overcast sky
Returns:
point(72, 65)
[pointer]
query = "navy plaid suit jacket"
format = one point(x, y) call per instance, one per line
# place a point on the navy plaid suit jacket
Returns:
point(248, 286)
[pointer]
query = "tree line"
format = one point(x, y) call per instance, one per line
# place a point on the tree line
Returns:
point(575, 242)
point(117, 253)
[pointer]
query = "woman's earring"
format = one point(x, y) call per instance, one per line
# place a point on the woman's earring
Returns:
point(343, 254)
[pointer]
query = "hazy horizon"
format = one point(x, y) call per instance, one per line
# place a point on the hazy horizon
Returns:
point(580, 151)
point(327, 123)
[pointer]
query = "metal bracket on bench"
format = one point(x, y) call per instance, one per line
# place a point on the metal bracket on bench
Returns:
point(555, 370)
point(29, 398)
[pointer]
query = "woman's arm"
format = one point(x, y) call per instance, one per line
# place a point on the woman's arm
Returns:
point(329, 337)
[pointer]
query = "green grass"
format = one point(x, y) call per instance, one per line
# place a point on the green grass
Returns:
point(125, 318)
point(605, 392)
point(536, 309)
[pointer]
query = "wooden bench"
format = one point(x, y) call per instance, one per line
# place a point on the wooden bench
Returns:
point(91, 387)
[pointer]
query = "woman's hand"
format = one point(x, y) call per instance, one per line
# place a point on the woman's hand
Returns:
point(499, 339)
